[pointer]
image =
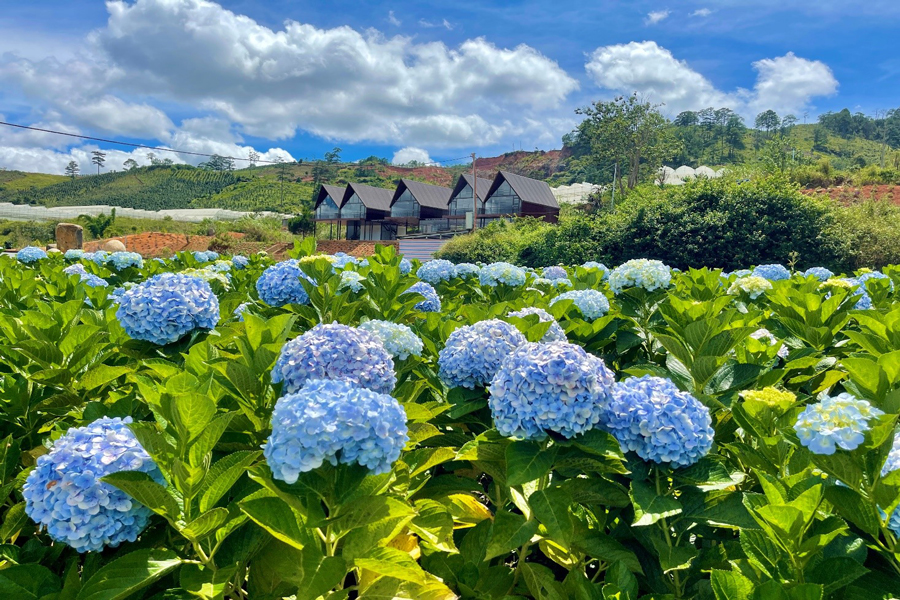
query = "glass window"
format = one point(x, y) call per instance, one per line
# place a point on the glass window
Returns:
point(503, 202)
point(405, 206)
point(328, 209)
point(354, 209)
point(462, 203)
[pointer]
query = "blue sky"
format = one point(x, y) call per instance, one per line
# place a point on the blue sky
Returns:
point(424, 80)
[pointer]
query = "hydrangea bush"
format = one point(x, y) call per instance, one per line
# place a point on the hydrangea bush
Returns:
point(474, 353)
point(647, 274)
point(280, 284)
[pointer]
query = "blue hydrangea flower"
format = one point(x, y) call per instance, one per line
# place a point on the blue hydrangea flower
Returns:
point(341, 260)
point(502, 272)
point(334, 351)
point(240, 262)
point(398, 339)
point(99, 257)
point(465, 270)
point(652, 417)
point(116, 294)
point(73, 254)
point(338, 422)
point(554, 273)
point(280, 284)
point(405, 266)
point(431, 303)
point(352, 280)
point(64, 493)
point(820, 273)
point(240, 310)
point(591, 303)
point(436, 271)
point(554, 334)
point(865, 301)
point(473, 353)
point(89, 279)
point(838, 421)
point(554, 387)
point(863, 278)
point(30, 254)
point(640, 272)
point(773, 272)
point(221, 266)
point(739, 273)
point(166, 307)
point(123, 260)
point(596, 266)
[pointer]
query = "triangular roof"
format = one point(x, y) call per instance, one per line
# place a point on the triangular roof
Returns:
point(432, 196)
point(372, 197)
point(529, 190)
point(484, 185)
point(335, 191)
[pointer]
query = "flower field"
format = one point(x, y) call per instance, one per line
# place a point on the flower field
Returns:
point(333, 428)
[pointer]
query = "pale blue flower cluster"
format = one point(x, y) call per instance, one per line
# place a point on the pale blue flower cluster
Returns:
point(820, 273)
point(465, 270)
point(280, 284)
point(240, 262)
point(474, 353)
point(398, 339)
point(240, 310)
point(865, 301)
point(640, 272)
point(652, 417)
point(555, 283)
point(862, 279)
point(554, 273)
point(341, 260)
point(774, 272)
point(166, 307)
point(205, 256)
point(338, 422)
point(739, 273)
point(431, 303)
point(351, 280)
point(835, 422)
point(334, 351)
point(436, 271)
point(555, 387)
point(502, 272)
point(405, 266)
point(64, 493)
point(123, 260)
point(221, 266)
point(30, 254)
point(591, 303)
point(73, 254)
point(596, 266)
point(554, 334)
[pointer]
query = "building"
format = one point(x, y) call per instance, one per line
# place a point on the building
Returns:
point(461, 202)
point(515, 195)
point(418, 208)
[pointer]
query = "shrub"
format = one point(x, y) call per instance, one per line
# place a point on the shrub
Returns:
point(499, 241)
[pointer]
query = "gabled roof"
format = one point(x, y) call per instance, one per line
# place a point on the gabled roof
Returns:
point(484, 185)
point(432, 196)
point(372, 197)
point(529, 190)
point(335, 191)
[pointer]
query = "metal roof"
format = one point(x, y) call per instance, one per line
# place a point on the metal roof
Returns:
point(484, 184)
point(372, 197)
point(529, 190)
point(335, 191)
point(432, 196)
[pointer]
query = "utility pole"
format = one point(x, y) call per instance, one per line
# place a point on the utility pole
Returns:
point(474, 195)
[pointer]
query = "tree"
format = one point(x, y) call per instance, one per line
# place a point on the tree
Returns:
point(820, 138)
point(787, 123)
point(72, 169)
point(629, 133)
point(768, 121)
point(98, 225)
point(253, 158)
point(687, 118)
point(218, 163)
point(98, 158)
point(130, 164)
point(734, 134)
point(334, 156)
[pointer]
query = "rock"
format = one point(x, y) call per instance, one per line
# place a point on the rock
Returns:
point(69, 236)
point(113, 246)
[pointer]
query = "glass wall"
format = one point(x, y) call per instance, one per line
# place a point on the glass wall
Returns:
point(405, 206)
point(503, 202)
point(462, 204)
point(328, 209)
point(353, 209)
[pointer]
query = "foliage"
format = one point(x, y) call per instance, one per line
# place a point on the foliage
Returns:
point(97, 225)
point(498, 241)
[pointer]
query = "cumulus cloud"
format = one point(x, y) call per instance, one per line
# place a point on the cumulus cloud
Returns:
point(785, 84)
point(407, 155)
point(657, 16)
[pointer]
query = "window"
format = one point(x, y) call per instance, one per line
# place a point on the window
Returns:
point(328, 209)
point(503, 202)
point(354, 209)
point(462, 203)
point(405, 206)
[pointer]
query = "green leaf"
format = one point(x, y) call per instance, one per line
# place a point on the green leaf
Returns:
point(100, 375)
point(730, 585)
point(205, 524)
point(192, 413)
point(853, 507)
point(835, 573)
point(391, 562)
point(526, 461)
point(13, 522)
point(650, 507)
point(27, 581)
point(423, 459)
point(599, 545)
point(205, 583)
point(279, 519)
point(142, 488)
point(223, 475)
point(541, 583)
point(551, 508)
point(509, 532)
point(433, 524)
point(127, 574)
point(309, 570)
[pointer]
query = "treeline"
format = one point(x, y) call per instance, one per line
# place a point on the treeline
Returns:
point(884, 127)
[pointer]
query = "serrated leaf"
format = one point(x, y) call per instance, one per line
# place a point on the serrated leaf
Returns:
point(128, 574)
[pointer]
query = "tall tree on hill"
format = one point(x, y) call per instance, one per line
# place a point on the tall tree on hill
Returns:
point(687, 118)
point(99, 159)
point(253, 158)
point(768, 121)
point(72, 169)
point(130, 164)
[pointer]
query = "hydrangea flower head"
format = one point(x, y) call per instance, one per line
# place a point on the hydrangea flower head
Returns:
point(591, 303)
point(772, 272)
point(596, 266)
point(73, 254)
point(820, 273)
point(431, 303)
point(335, 421)
point(835, 422)
point(209, 274)
point(239, 262)
point(502, 272)
point(640, 272)
point(555, 387)
point(123, 260)
point(64, 493)
point(405, 266)
point(398, 339)
point(280, 284)
point(334, 351)
point(652, 417)
point(864, 302)
point(554, 273)
point(862, 279)
point(76, 269)
point(436, 271)
point(30, 254)
point(554, 334)
point(474, 353)
point(205, 256)
point(465, 270)
point(351, 280)
point(166, 307)
point(753, 285)
point(240, 310)
point(340, 260)
point(739, 273)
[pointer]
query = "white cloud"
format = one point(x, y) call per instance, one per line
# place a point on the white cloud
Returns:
point(785, 84)
point(702, 13)
point(393, 20)
point(429, 24)
point(657, 16)
point(409, 154)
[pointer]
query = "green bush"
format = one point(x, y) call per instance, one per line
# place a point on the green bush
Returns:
point(871, 232)
point(498, 241)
